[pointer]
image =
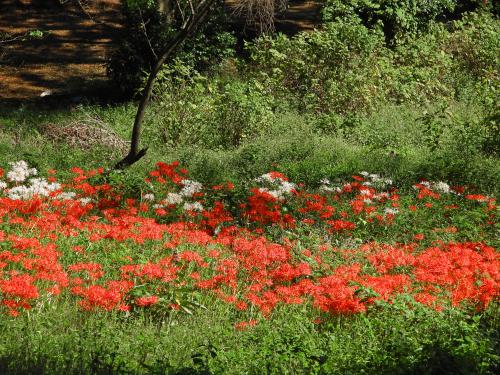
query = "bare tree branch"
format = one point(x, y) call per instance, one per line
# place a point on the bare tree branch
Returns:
point(183, 17)
point(145, 32)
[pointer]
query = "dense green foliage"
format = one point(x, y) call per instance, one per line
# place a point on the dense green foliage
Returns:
point(424, 108)
point(400, 20)
point(346, 67)
point(322, 104)
point(391, 340)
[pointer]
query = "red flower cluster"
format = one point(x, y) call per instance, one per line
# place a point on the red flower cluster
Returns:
point(168, 172)
point(114, 253)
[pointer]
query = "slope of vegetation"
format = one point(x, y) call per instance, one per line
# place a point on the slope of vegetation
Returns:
point(369, 243)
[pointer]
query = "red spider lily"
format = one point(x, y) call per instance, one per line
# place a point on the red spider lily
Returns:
point(171, 171)
point(241, 326)
point(216, 216)
point(281, 176)
point(212, 253)
point(263, 208)
point(419, 236)
point(19, 286)
point(146, 301)
point(107, 298)
point(94, 270)
point(340, 225)
point(477, 197)
point(424, 191)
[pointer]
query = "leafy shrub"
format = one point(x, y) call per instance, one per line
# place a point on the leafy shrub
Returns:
point(475, 48)
point(212, 114)
point(400, 19)
point(346, 68)
point(420, 71)
point(331, 69)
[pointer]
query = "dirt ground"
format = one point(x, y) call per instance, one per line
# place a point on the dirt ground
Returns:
point(300, 16)
point(70, 56)
point(78, 37)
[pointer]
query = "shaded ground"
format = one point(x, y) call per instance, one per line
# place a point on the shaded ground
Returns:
point(70, 58)
point(301, 15)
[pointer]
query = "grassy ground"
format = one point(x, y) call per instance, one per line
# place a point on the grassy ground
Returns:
point(393, 141)
point(391, 340)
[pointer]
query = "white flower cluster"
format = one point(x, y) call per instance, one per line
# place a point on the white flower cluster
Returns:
point(22, 185)
point(37, 187)
point(195, 206)
point(84, 201)
point(277, 187)
point(375, 179)
point(443, 187)
point(390, 211)
point(189, 188)
point(371, 195)
point(326, 186)
point(439, 186)
point(65, 195)
point(20, 171)
point(173, 198)
point(372, 180)
point(380, 183)
point(267, 178)
point(148, 197)
point(365, 192)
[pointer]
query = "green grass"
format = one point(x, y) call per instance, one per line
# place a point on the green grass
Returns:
point(389, 339)
point(394, 141)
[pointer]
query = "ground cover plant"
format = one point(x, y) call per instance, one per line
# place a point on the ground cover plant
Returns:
point(267, 252)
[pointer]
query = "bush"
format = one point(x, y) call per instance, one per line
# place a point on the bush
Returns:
point(399, 19)
point(345, 67)
point(212, 114)
point(475, 48)
point(330, 70)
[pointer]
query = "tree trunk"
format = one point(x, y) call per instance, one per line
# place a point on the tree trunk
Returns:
point(198, 16)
